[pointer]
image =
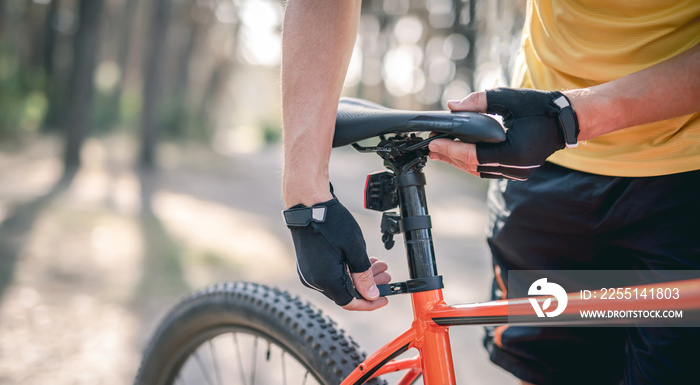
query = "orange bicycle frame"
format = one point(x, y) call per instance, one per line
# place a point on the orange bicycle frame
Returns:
point(432, 319)
point(428, 333)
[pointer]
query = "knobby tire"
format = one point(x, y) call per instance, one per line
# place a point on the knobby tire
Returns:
point(273, 322)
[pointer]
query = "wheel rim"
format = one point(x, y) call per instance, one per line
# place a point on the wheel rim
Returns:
point(241, 356)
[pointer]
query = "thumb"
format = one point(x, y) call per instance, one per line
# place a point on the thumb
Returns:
point(474, 102)
point(364, 283)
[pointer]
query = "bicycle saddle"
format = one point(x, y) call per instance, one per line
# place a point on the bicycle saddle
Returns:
point(360, 119)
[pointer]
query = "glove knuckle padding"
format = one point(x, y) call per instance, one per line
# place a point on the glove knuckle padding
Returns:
point(326, 249)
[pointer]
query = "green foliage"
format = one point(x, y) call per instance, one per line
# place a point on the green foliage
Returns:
point(179, 121)
point(173, 116)
point(23, 101)
point(105, 111)
point(176, 118)
point(35, 106)
point(272, 132)
point(130, 108)
point(111, 111)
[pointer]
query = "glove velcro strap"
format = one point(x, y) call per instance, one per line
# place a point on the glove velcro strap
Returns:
point(568, 122)
point(303, 216)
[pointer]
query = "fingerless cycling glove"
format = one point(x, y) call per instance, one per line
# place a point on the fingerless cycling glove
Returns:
point(539, 123)
point(328, 244)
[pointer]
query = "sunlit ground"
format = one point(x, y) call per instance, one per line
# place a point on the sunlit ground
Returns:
point(85, 276)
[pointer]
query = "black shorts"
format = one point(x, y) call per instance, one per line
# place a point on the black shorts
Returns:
point(561, 219)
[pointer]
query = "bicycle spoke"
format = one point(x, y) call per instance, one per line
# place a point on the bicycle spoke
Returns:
point(202, 368)
point(240, 359)
point(306, 375)
point(253, 365)
point(215, 362)
point(284, 371)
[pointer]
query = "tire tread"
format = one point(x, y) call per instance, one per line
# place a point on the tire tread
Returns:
point(300, 325)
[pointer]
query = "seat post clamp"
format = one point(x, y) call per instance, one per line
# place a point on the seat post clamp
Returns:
point(415, 285)
point(410, 179)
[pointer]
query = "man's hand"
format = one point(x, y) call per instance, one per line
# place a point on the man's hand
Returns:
point(534, 133)
point(663, 91)
point(366, 284)
point(459, 154)
point(332, 256)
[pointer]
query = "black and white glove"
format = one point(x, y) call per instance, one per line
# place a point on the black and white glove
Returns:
point(329, 245)
point(539, 123)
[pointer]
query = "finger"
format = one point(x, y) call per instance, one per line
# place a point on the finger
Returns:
point(451, 161)
point(364, 305)
point(378, 266)
point(436, 156)
point(382, 278)
point(365, 285)
point(439, 145)
point(468, 166)
point(475, 102)
point(465, 152)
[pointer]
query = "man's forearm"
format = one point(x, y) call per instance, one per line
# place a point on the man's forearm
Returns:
point(662, 91)
point(318, 38)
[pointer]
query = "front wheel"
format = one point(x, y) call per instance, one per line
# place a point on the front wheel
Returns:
point(245, 333)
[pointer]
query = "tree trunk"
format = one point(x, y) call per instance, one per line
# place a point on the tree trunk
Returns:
point(2, 16)
point(151, 83)
point(469, 29)
point(50, 36)
point(179, 96)
point(54, 85)
point(214, 87)
point(85, 47)
point(127, 17)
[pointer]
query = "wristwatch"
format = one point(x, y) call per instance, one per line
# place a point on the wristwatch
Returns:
point(567, 121)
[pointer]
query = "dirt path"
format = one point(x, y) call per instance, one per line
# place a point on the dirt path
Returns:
point(85, 276)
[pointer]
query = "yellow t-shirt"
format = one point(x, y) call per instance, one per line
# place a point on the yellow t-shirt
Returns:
point(571, 44)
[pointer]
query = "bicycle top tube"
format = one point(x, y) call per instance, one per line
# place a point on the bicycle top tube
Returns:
point(359, 119)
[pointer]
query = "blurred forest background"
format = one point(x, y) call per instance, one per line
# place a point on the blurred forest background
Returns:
point(207, 70)
point(136, 136)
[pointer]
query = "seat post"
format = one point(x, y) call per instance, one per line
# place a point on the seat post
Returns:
point(415, 222)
